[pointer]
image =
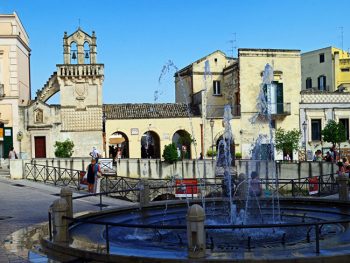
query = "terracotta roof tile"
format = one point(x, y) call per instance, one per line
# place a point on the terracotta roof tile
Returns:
point(148, 111)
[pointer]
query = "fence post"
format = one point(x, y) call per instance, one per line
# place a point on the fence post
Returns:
point(144, 193)
point(317, 232)
point(60, 224)
point(107, 238)
point(293, 188)
point(196, 232)
point(343, 187)
point(66, 194)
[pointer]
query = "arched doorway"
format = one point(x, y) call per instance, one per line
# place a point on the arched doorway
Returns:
point(183, 140)
point(150, 145)
point(118, 145)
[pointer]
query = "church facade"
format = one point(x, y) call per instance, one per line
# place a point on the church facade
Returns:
point(79, 116)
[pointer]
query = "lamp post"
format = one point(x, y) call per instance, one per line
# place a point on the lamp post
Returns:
point(212, 139)
point(104, 118)
point(304, 129)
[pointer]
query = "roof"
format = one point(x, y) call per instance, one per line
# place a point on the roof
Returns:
point(268, 50)
point(148, 110)
point(204, 58)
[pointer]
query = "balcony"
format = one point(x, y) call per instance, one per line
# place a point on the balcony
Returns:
point(216, 111)
point(279, 109)
point(80, 70)
point(317, 89)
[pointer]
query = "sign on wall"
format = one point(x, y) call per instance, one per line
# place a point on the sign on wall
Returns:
point(134, 131)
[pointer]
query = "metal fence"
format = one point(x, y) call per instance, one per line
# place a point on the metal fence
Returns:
point(162, 189)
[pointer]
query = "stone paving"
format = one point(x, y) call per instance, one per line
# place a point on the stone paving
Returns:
point(25, 203)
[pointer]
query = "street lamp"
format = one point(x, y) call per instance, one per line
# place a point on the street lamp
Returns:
point(304, 129)
point(212, 139)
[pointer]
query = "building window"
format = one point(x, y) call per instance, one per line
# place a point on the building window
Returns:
point(216, 87)
point(322, 83)
point(345, 69)
point(277, 105)
point(316, 130)
point(321, 57)
point(345, 123)
point(309, 83)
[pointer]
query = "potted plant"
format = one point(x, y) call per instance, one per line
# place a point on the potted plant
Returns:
point(238, 155)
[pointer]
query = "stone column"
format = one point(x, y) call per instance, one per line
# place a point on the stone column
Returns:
point(343, 188)
point(144, 193)
point(60, 225)
point(66, 194)
point(196, 232)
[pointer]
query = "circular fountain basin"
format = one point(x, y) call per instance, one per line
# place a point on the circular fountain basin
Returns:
point(255, 243)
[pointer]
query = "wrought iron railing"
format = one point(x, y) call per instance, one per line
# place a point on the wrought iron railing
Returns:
point(162, 189)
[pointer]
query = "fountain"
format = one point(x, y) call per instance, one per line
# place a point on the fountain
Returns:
point(241, 225)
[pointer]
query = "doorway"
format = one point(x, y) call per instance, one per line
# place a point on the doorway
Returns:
point(40, 146)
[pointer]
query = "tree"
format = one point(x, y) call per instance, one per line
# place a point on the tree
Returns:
point(334, 133)
point(64, 149)
point(287, 141)
point(170, 153)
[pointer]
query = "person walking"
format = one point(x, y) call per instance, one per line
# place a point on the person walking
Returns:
point(92, 170)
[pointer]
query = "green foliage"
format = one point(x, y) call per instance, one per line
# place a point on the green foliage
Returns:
point(170, 153)
point(238, 155)
point(334, 132)
point(185, 139)
point(64, 149)
point(211, 153)
point(287, 141)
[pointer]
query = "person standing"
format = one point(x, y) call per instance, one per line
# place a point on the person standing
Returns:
point(12, 154)
point(95, 154)
point(92, 170)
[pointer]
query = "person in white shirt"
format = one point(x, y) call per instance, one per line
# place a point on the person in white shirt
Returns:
point(95, 154)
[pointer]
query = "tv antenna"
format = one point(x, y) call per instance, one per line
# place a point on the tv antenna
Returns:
point(342, 37)
point(233, 43)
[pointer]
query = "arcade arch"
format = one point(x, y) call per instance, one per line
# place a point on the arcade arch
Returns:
point(182, 140)
point(118, 145)
point(150, 145)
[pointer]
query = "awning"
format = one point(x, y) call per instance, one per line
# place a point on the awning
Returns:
point(116, 140)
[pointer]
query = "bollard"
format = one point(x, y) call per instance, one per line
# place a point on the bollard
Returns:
point(144, 193)
point(60, 225)
point(195, 232)
point(343, 188)
point(66, 193)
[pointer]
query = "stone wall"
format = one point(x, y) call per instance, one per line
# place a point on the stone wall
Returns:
point(154, 168)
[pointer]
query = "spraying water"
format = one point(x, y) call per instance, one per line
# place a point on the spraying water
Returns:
point(165, 70)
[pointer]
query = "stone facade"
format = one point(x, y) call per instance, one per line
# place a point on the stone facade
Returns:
point(240, 81)
point(79, 115)
point(14, 79)
point(316, 109)
point(330, 64)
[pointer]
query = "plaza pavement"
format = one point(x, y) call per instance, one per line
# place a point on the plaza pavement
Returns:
point(25, 203)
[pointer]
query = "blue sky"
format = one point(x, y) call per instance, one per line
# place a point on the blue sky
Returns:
point(135, 38)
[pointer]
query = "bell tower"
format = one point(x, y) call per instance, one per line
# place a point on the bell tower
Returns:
point(80, 80)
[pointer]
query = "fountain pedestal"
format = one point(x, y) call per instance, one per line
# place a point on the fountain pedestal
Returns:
point(196, 232)
point(60, 225)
